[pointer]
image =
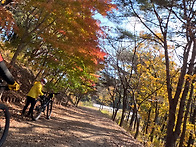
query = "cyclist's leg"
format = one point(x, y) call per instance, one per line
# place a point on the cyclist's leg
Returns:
point(32, 106)
point(28, 100)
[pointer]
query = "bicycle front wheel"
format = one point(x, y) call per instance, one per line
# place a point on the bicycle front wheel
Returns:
point(4, 123)
point(37, 110)
point(49, 109)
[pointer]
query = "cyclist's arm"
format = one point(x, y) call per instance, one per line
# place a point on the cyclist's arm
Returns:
point(5, 73)
point(39, 89)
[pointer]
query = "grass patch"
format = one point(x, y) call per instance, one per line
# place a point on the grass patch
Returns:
point(86, 104)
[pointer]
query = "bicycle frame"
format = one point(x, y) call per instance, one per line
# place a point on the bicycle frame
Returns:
point(41, 104)
point(45, 102)
point(4, 117)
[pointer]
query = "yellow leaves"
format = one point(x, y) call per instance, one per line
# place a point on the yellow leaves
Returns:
point(3, 1)
point(190, 78)
point(187, 77)
point(139, 67)
point(151, 37)
point(132, 106)
point(144, 35)
point(189, 130)
point(190, 127)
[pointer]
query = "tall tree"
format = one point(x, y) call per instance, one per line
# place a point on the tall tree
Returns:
point(161, 16)
point(58, 37)
point(67, 25)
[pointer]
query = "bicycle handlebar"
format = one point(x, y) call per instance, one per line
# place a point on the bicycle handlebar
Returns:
point(4, 87)
point(50, 94)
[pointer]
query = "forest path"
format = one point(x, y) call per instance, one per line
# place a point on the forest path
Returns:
point(68, 127)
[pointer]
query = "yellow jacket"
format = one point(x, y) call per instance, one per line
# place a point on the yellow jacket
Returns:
point(36, 90)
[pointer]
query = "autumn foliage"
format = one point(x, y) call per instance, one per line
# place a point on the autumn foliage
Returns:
point(58, 39)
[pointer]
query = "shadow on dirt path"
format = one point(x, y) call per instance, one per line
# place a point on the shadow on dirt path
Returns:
point(68, 127)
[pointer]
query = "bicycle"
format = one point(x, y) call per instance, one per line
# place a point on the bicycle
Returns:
point(4, 117)
point(41, 103)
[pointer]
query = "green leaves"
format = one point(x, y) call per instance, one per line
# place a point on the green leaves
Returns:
point(59, 40)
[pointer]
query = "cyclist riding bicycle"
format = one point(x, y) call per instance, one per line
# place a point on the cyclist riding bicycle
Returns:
point(12, 85)
point(33, 94)
point(4, 72)
point(7, 76)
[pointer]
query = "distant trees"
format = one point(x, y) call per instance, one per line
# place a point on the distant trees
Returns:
point(165, 83)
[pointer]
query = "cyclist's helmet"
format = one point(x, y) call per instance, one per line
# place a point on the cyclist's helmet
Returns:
point(44, 81)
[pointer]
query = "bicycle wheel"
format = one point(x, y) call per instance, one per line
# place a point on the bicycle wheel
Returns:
point(4, 123)
point(37, 110)
point(49, 109)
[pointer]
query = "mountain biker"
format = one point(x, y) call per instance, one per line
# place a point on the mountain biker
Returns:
point(7, 76)
point(33, 94)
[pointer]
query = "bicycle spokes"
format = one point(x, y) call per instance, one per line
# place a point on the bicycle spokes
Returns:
point(4, 123)
point(2, 120)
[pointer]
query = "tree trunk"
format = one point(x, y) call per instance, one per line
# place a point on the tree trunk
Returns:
point(170, 134)
point(184, 94)
point(137, 128)
point(124, 106)
point(18, 51)
point(163, 126)
point(133, 117)
point(148, 120)
point(128, 115)
point(78, 98)
point(122, 116)
point(186, 116)
point(155, 122)
point(191, 138)
point(115, 111)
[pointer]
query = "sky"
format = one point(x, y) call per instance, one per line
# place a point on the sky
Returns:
point(132, 24)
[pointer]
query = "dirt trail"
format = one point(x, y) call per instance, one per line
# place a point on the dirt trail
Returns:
point(68, 127)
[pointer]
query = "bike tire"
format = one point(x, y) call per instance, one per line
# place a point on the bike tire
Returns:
point(37, 110)
point(49, 109)
point(4, 123)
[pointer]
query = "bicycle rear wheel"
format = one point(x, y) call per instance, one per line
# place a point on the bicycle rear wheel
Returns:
point(4, 123)
point(49, 109)
point(37, 110)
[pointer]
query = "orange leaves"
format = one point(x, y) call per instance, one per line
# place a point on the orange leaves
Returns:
point(95, 75)
point(66, 25)
point(78, 29)
point(94, 54)
point(62, 32)
point(7, 22)
point(100, 55)
point(6, 19)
